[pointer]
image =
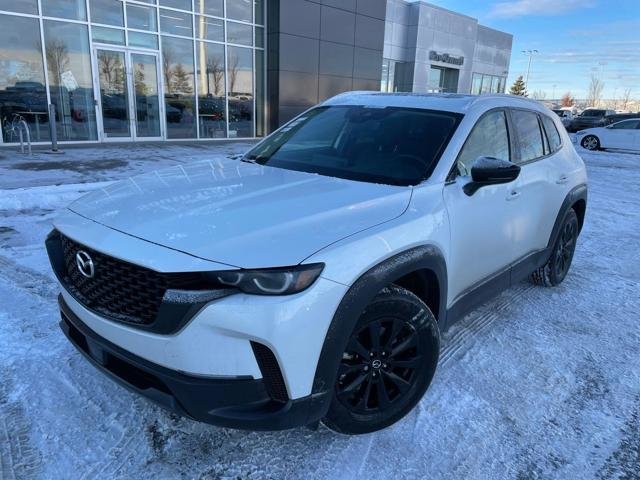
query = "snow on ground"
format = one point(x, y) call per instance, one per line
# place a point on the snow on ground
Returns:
point(537, 383)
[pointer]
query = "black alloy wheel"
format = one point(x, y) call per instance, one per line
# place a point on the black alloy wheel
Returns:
point(557, 267)
point(566, 247)
point(379, 365)
point(388, 363)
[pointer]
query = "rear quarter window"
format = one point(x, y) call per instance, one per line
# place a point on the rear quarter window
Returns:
point(552, 133)
point(529, 135)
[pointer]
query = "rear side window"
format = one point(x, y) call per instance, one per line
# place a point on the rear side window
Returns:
point(529, 135)
point(626, 125)
point(489, 138)
point(552, 133)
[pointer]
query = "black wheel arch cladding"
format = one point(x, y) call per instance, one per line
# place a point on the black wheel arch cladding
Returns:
point(362, 292)
point(576, 199)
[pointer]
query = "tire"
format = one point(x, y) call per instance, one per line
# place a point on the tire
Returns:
point(557, 267)
point(590, 142)
point(389, 362)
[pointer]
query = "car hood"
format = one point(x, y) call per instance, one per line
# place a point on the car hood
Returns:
point(242, 214)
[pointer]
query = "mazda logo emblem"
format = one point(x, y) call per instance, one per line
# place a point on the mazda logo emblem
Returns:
point(85, 264)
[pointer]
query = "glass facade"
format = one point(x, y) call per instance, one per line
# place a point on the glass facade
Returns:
point(396, 76)
point(482, 83)
point(133, 69)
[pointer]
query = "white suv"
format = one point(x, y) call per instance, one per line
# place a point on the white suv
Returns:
point(310, 281)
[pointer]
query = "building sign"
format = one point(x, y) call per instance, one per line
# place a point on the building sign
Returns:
point(445, 58)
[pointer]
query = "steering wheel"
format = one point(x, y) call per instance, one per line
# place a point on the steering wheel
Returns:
point(417, 161)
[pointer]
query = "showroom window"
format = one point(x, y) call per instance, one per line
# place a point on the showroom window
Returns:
point(22, 87)
point(481, 83)
point(395, 76)
point(179, 97)
point(70, 83)
point(186, 69)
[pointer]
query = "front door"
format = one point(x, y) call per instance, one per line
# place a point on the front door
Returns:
point(129, 103)
point(483, 224)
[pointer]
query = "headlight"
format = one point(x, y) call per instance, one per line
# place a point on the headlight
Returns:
point(274, 281)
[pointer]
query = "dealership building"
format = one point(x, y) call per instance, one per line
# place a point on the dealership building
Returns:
point(142, 70)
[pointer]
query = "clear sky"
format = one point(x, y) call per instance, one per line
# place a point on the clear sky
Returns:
point(575, 38)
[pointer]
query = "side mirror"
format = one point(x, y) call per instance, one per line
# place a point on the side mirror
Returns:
point(490, 171)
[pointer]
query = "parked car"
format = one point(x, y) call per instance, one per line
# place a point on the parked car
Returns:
point(618, 117)
point(591, 117)
point(623, 135)
point(566, 116)
point(310, 281)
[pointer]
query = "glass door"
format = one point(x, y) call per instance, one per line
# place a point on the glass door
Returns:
point(128, 90)
point(114, 94)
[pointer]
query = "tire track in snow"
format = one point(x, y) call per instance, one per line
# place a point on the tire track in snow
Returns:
point(479, 320)
point(28, 279)
point(18, 459)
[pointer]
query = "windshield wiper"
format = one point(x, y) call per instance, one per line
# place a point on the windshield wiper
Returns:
point(254, 158)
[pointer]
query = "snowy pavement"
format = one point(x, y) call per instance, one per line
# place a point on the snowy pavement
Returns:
point(537, 383)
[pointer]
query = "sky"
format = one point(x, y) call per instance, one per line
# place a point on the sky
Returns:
point(575, 38)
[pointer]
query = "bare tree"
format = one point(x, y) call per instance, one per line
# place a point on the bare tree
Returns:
point(215, 69)
point(625, 99)
point(594, 93)
point(233, 72)
point(567, 100)
point(57, 58)
point(167, 69)
point(111, 69)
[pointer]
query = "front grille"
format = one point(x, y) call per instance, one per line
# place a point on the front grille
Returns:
point(273, 380)
point(118, 289)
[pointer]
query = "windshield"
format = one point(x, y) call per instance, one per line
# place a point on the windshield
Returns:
point(391, 145)
point(593, 113)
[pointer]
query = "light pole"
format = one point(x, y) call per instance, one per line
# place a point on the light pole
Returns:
point(530, 54)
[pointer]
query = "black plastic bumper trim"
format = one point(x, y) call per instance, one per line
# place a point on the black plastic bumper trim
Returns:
point(234, 402)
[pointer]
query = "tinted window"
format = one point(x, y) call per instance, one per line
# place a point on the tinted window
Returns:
point(626, 125)
point(529, 134)
point(552, 133)
point(593, 113)
point(489, 138)
point(397, 146)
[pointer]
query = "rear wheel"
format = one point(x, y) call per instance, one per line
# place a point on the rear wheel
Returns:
point(557, 267)
point(388, 363)
point(590, 142)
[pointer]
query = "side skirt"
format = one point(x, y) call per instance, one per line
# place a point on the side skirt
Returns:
point(494, 285)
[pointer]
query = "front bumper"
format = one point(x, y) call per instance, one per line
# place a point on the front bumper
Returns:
point(235, 402)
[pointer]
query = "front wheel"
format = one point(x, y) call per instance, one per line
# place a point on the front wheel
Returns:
point(557, 267)
point(388, 364)
point(590, 142)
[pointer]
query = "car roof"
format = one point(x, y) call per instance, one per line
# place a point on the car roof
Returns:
point(450, 102)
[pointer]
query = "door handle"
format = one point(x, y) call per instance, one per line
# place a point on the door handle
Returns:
point(513, 195)
point(562, 180)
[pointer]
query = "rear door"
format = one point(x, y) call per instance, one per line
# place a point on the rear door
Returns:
point(543, 182)
point(621, 134)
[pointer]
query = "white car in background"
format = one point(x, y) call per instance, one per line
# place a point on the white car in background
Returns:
point(623, 135)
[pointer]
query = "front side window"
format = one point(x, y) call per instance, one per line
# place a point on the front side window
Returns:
point(529, 135)
point(552, 133)
point(391, 145)
point(489, 138)
point(625, 125)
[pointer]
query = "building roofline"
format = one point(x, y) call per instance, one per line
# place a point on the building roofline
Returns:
point(431, 5)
